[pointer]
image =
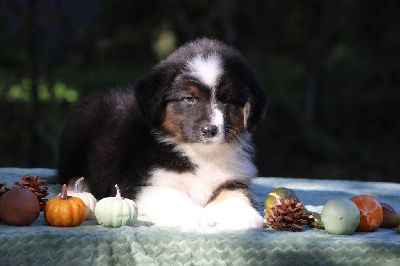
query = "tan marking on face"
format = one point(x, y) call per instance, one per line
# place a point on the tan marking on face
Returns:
point(171, 122)
point(194, 91)
point(238, 121)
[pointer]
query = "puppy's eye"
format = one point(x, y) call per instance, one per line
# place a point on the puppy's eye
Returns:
point(228, 99)
point(224, 98)
point(189, 99)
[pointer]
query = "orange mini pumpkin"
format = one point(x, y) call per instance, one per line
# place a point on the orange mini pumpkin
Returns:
point(371, 214)
point(64, 211)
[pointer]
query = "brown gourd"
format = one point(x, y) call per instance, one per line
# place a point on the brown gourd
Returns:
point(19, 207)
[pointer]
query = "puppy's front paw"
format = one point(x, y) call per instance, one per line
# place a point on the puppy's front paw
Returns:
point(234, 214)
point(169, 207)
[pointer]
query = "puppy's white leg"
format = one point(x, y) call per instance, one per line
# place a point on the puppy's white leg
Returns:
point(233, 210)
point(169, 206)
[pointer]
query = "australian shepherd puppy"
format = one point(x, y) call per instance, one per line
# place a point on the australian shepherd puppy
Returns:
point(178, 142)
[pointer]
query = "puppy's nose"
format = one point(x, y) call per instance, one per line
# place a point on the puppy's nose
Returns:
point(209, 131)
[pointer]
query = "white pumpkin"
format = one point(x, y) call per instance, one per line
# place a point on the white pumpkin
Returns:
point(86, 197)
point(116, 211)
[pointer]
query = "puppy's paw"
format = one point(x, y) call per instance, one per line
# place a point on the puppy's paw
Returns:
point(234, 214)
point(207, 218)
point(169, 207)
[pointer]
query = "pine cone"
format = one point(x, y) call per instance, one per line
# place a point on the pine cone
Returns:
point(33, 184)
point(288, 215)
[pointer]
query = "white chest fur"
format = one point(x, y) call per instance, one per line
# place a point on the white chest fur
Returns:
point(216, 164)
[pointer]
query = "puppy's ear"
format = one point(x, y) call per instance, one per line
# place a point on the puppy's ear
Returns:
point(150, 91)
point(257, 105)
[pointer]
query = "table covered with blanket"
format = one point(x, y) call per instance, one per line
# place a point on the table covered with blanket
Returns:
point(151, 244)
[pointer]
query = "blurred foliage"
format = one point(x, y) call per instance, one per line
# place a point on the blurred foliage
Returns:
point(58, 92)
point(331, 69)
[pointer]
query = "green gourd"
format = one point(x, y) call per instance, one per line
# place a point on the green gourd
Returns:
point(116, 211)
point(87, 198)
point(340, 216)
point(313, 218)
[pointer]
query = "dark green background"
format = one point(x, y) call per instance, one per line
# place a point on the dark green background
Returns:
point(331, 69)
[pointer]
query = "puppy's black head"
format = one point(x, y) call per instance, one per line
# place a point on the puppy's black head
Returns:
point(204, 92)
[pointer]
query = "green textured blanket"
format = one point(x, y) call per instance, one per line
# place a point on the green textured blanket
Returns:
point(146, 244)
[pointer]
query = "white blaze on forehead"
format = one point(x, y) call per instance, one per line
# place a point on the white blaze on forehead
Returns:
point(207, 69)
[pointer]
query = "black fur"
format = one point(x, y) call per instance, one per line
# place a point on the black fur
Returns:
point(107, 141)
